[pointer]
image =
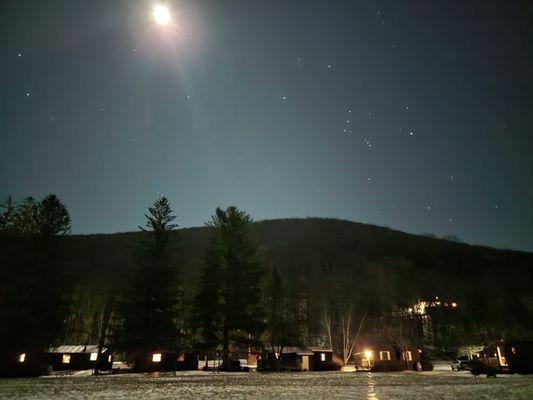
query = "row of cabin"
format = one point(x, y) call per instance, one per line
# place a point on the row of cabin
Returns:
point(504, 357)
point(384, 357)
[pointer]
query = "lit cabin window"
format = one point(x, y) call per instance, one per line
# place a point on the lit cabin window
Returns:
point(22, 357)
point(322, 357)
point(109, 358)
point(408, 356)
point(384, 355)
point(93, 356)
point(156, 357)
point(65, 359)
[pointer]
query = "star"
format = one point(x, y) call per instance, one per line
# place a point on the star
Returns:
point(329, 65)
point(284, 97)
point(411, 133)
point(428, 207)
point(20, 54)
point(28, 94)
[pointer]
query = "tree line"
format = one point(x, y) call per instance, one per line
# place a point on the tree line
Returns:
point(241, 295)
point(238, 299)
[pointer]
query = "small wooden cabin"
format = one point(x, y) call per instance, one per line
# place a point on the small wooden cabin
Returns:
point(323, 359)
point(291, 359)
point(22, 364)
point(159, 360)
point(387, 356)
point(297, 359)
point(78, 358)
point(515, 357)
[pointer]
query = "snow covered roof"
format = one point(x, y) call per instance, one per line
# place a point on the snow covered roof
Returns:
point(90, 348)
point(319, 349)
point(301, 351)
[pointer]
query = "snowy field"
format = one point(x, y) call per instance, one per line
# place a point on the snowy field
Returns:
point(312, 385)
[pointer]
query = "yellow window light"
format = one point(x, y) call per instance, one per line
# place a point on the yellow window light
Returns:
point(65, 359)
point(156, 357)
point(22, 357)
point(93, 357)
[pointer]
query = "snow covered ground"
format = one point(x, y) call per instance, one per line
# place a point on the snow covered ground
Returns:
point(313, 385)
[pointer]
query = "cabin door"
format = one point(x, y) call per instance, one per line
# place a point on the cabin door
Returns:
point(305, 363)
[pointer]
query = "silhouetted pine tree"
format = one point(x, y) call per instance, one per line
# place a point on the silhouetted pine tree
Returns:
point(34, 295)
point(230, 308)
point(207, 303)
point(150, 300)
point(282, 327)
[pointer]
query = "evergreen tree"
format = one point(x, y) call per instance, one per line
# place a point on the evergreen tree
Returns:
point(230, 308)
point(34, 294)
point(207, 305)
point(52, 218)
point(282, 327)
point(150, 301)
point(7, 216)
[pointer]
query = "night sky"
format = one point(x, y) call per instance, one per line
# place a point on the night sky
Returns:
point(410, 114)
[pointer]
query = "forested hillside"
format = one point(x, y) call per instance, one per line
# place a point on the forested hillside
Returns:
point(332, 268)
point(338, 265)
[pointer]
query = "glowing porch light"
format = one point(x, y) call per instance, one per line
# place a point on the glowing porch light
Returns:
point(368, 354)
point(156, 357)
point(93, 357)
point(454, 304)
point(22, 357)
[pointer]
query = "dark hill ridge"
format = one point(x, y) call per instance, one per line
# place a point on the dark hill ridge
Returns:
point(324, 240)
point(307, 246)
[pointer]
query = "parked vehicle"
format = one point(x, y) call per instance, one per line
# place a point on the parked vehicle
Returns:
point(462, 363)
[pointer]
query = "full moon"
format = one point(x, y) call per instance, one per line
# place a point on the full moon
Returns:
point(161, 15)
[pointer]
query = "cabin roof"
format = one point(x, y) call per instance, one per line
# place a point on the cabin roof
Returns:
point(317, 349)
point(301, 351)
point(93, 348)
